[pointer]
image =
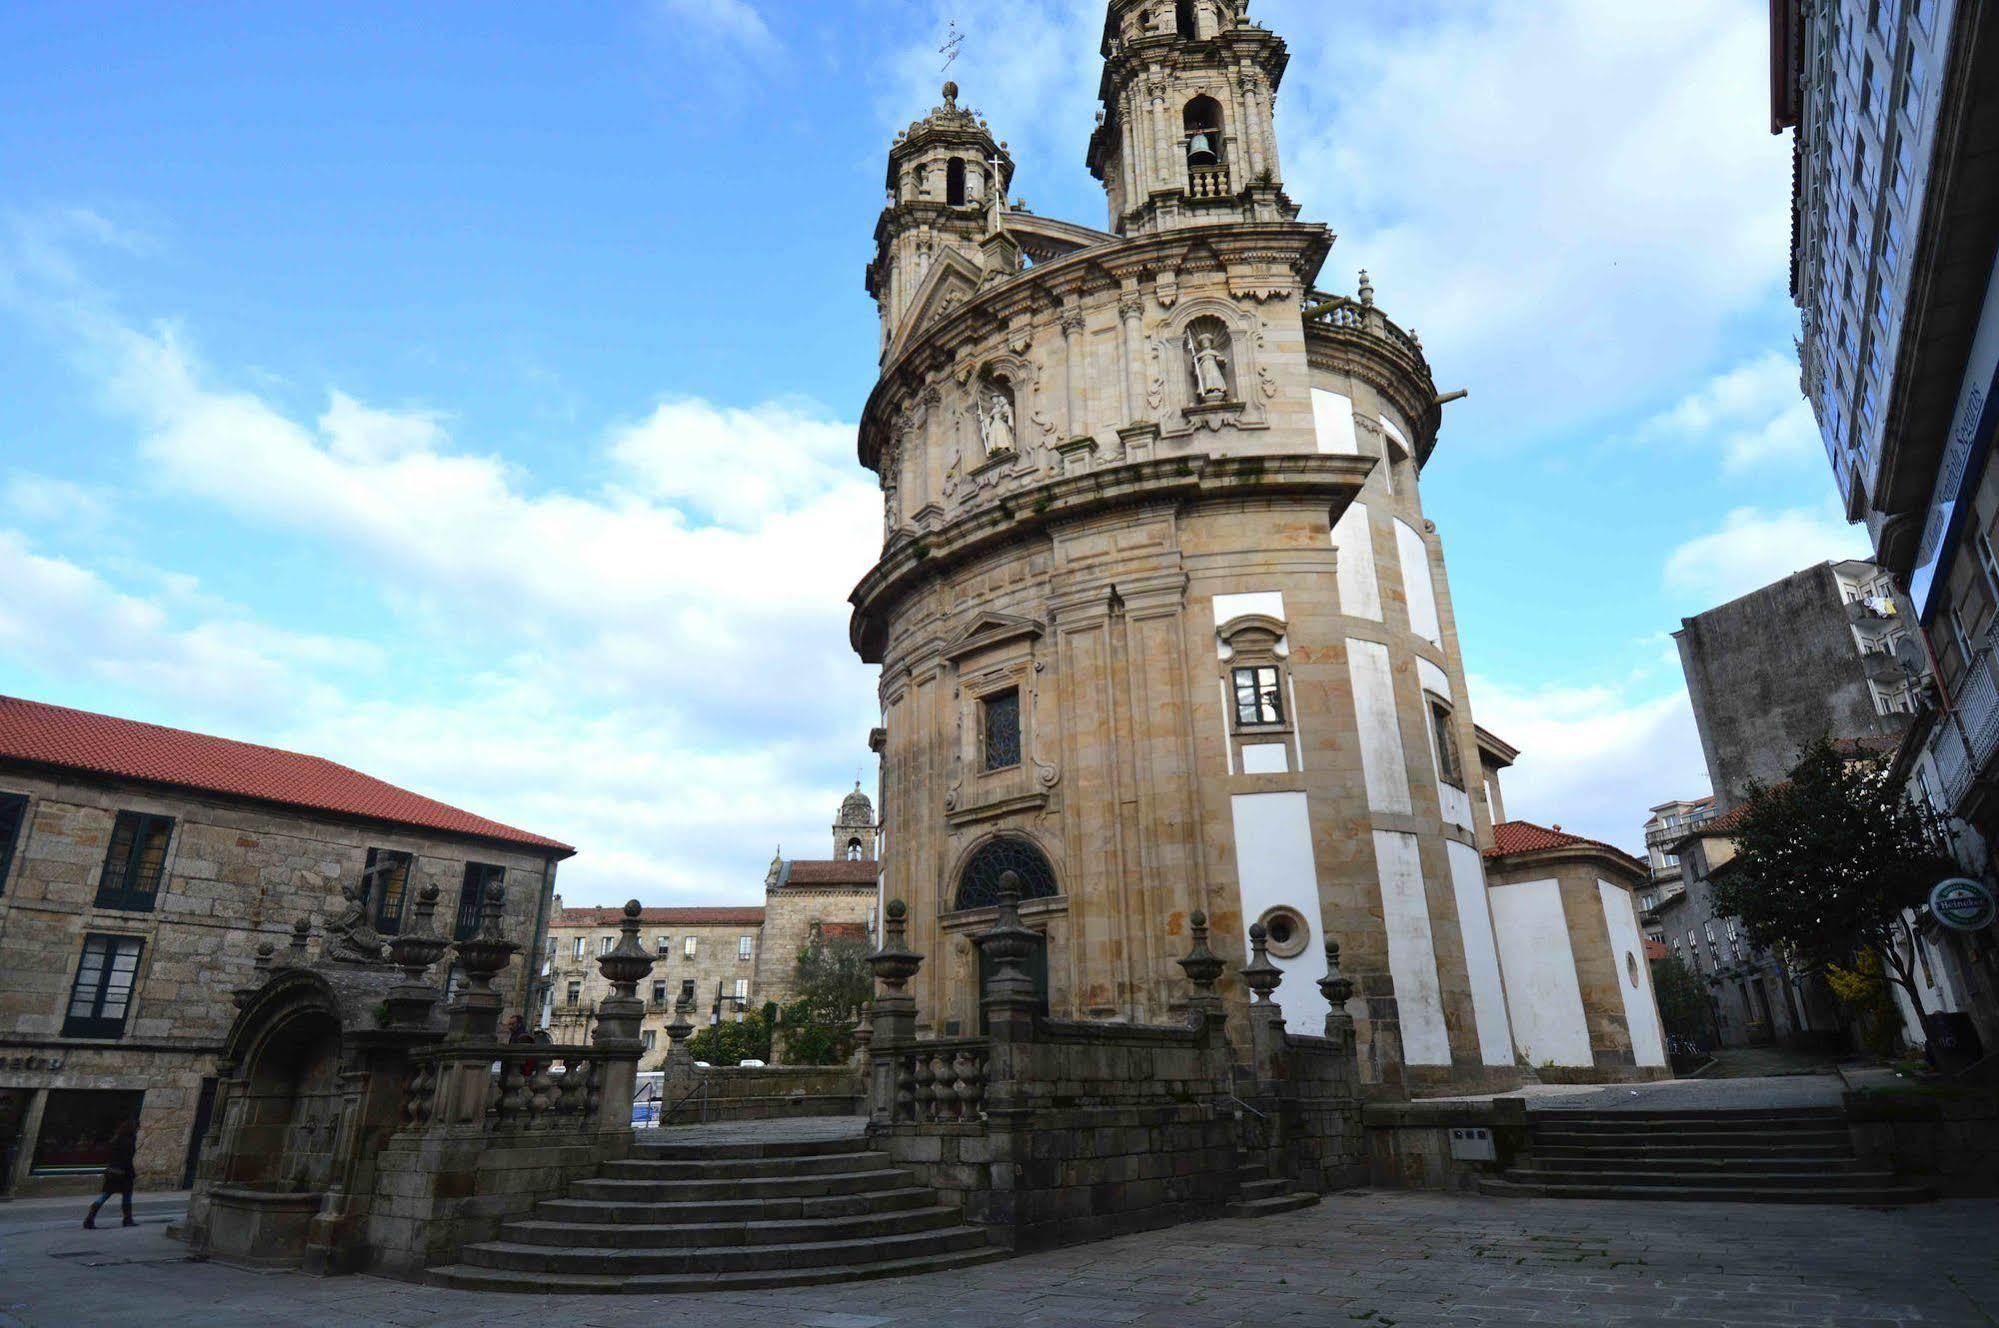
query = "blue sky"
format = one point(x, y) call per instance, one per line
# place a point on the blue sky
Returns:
point(466, 392)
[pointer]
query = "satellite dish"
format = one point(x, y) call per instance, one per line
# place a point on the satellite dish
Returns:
point(1910, 655)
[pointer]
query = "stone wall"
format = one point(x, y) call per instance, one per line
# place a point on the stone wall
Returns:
point(791, 915)
point(1946, 1138)
point(1409, 1143)
point(729, 1093)
point(236, 874)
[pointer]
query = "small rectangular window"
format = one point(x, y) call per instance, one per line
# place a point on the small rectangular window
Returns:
point(1449, 768)
point(1000, 725)
point(13, 811)
point(577, 951)
point(575, 993)
point(645, 1038)
point(604, 944)
point(385, 881)
point(690, 947)
point(478, 875)
point(742, 990)
point(742, 947)
point(665, 944)
point(135, 862)
point(659, 993)
point(101, 995)
point(1257, 699)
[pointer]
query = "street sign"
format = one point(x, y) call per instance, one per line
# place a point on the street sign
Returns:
point(1963, 904)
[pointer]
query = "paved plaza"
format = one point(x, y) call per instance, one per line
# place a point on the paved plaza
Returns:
point(1383, 1259)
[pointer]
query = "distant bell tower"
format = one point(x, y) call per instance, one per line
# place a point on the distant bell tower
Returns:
point(1186, 135)
point(854, 828)
point(935, 240)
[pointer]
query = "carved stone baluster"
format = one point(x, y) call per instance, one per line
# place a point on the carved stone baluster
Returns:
point(920, 1077)
point(967, 1085)
point(513, 1093)
point(905, 1086)
point(943, 1102)
point(542, 1102)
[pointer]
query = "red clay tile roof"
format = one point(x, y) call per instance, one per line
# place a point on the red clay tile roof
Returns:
point(1511, 837)
point(681, 917)
point(101, 745)
point(832, 872)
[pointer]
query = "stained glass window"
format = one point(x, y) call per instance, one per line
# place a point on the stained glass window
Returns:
point(978, 884)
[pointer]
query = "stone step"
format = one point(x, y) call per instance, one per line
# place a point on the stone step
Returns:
point(605, 1211)
point(714, 1235)
point(1692, 1138)
point(468, 1278)
point(1887, 1194)
point(1634, 1148)
point(1644, 1122)
point(669, 1150)
point(1720, 1180)
point(603, 1261)
point(1690, 1165)
point(750, 1187)
point(1279, 1203)
point(808, 1164)
point(1263, 1189)
point(1249, 1171)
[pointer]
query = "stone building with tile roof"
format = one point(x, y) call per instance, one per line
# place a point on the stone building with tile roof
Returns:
point(140, 869)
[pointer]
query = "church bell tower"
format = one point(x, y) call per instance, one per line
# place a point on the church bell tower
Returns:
point(1186, 135)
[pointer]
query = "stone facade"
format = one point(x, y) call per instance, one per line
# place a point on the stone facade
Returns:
point(236, 873)
point(1151, 471)
point(1578, 984)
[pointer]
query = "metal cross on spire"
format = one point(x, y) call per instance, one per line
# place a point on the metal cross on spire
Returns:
point(953, 40)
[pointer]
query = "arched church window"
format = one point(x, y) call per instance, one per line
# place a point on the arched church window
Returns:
point(1201, 123)
point(978, 883)
point(954, 182)
point(1210, 361)
point(1183, 19)
point(853, 850)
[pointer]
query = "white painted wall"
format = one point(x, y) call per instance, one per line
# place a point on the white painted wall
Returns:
point(1634, 975)
point(1412, 950)
point(1417, 586)
point(1274, 866)
point(1381, 763)
point(1488, 990)
point(1266, 758)
point(1542, 994)
point(1393, 430)
point(1359, 586)
point(1332, 416)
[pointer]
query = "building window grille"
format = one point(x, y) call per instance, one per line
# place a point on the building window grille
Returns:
point(478, 875)
point(1257, 697)
point(135, 862)
point(385, 880)
point(101, 996)
point(999, 725)
point(978, 883)
point(743, 947)
point(13, 811)
point(690, 947)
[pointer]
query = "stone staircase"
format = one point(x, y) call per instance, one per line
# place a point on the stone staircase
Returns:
point(1262, 1194)
point(1776, 1156)
point(727, 1215)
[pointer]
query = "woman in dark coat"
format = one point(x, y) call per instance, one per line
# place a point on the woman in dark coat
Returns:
point(118, 1173)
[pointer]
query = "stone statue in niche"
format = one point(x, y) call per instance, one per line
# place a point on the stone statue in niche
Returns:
point(1211, 367)
point(996, 422)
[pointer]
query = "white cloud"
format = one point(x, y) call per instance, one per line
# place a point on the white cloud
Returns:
point(1754, 547)
point(1593, 759)
point(733, 23)
point(1753, 414)
point(733, 466)
point(48, 501)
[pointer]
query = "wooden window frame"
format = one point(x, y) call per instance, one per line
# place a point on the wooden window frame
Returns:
point(97, 1024)
point(472, 896)
point(388, 917)
point(119, 886)
point(1258, 723)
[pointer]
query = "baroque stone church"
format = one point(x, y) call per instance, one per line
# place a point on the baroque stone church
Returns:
point(1161, 623)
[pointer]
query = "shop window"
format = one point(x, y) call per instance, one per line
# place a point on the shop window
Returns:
point(78, 1125)
point(101, 995)
point(135, 862)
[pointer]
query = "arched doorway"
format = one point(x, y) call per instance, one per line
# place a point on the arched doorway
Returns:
point(979, 887)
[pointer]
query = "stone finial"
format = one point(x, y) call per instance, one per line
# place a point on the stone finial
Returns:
point(424, 909)
point(894, 964)
point(415, 948)
point(266, 952)
point(483, 956)
point(1008, 944)
point(260, 973)
point(301, 933)
point(950, 96)
point(1202, 966)
point(864, 1031)
point(1336, 986)
point(1366, 289)
point(1260, 975)
point(629, 961)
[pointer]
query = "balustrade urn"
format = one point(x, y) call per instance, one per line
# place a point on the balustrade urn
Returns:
point(481, 957)
point(1006, 945)
point(1260, 975)
point(1203, 968)
point(1336, 986)
point(414, 950)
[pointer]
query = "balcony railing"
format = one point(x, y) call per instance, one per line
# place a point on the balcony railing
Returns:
point(1208, 181)
point(1963, 743)
point(1352, 315)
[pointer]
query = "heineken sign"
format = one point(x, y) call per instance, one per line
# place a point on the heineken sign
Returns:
point(1963, 904)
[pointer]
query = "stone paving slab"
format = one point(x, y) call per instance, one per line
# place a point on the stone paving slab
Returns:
point(1366, 1259)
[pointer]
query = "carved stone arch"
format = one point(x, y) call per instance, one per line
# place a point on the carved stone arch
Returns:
point(1002, 849)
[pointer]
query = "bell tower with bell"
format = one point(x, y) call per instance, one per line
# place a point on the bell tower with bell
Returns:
point(940, 236)
point(1186, 135)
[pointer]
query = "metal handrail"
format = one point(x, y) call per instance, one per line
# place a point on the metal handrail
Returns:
point(700, 1087)
point(1246, 1107)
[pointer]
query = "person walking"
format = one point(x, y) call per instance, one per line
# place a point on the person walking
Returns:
point(118, 1173)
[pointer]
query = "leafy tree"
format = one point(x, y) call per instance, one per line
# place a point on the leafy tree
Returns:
point(1683, 1003)
point(732, 1042)
point(1828, 863)
point(833, 980)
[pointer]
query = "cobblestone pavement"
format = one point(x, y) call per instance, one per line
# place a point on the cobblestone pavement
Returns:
point(1377, 1259)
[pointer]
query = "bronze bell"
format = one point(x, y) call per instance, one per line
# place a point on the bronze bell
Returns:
point(1201, 149)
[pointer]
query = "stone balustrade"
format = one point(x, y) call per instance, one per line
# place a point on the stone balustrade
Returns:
point(514, 1087)
point(940, 1082)
point(1208, 182)
point(1360, 318)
